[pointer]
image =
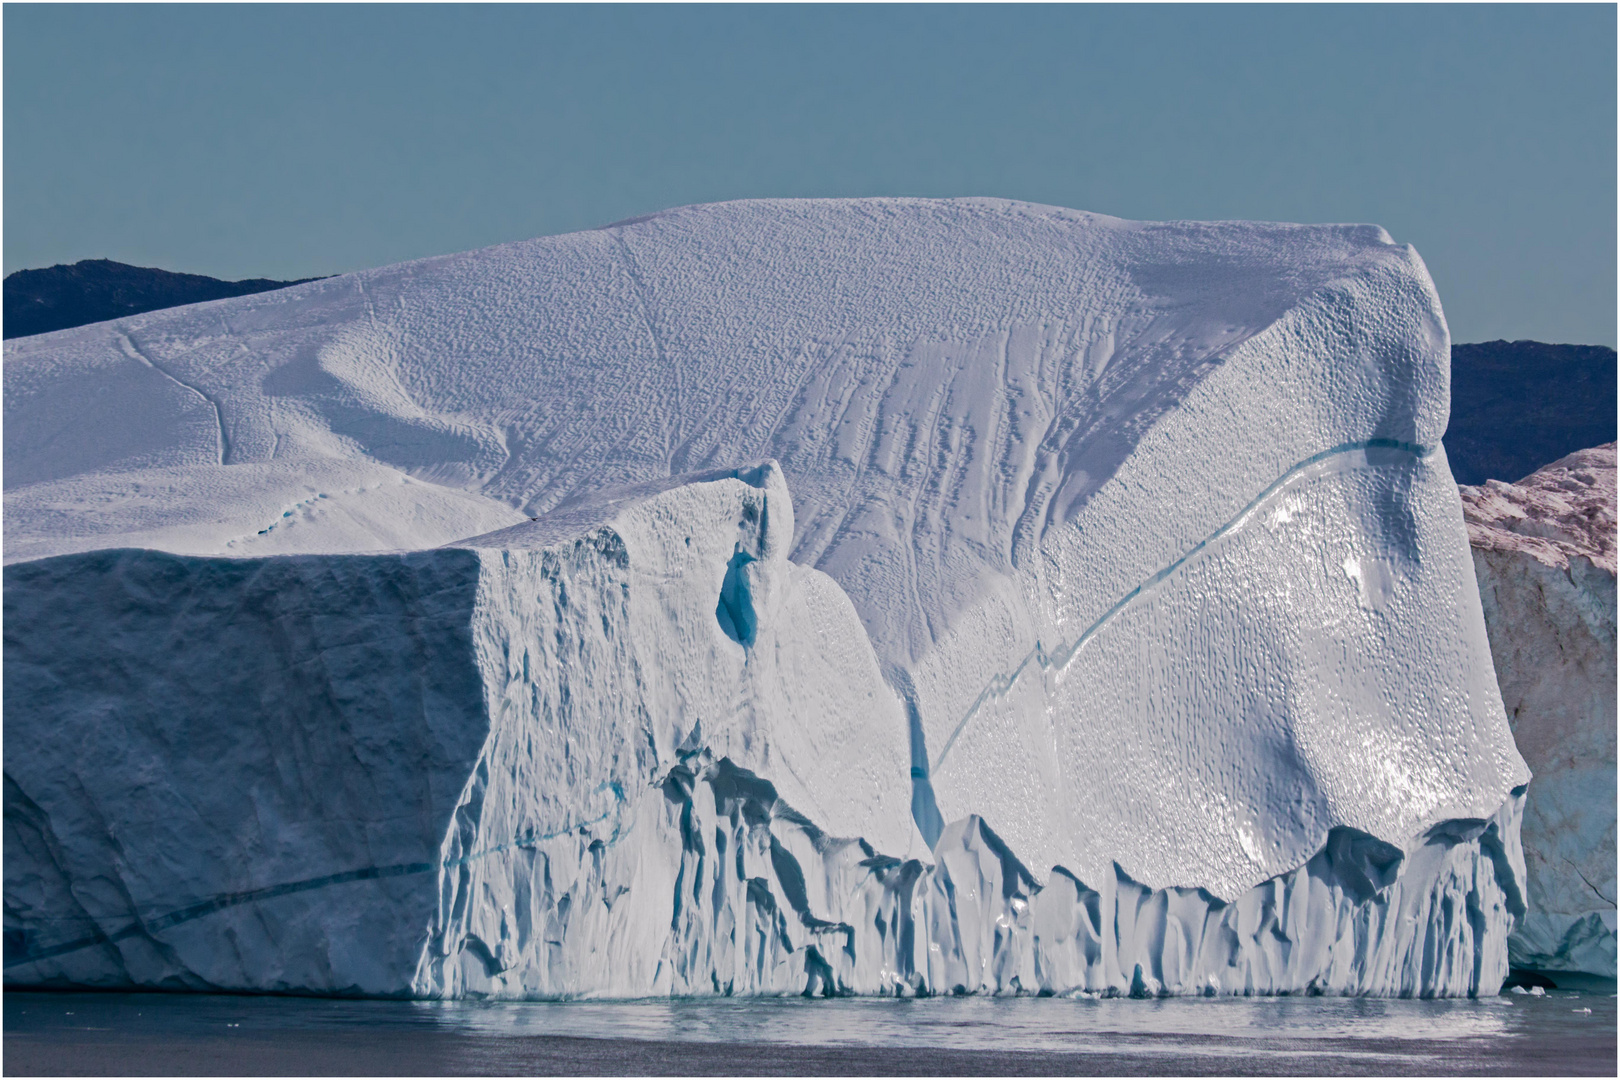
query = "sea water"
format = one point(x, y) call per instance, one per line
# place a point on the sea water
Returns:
point(1564, 1032)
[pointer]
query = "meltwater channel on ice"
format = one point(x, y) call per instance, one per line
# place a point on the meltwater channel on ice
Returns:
point(876, 596)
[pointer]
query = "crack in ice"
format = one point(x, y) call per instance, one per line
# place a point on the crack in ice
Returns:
point(1061, 658)
point(135, 352)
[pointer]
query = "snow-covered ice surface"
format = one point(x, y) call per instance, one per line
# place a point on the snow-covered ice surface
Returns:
point(1544, 553)
point(878, 595)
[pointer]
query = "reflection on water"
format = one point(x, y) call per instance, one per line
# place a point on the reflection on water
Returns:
point(976, 1022)
point(1451, 1033)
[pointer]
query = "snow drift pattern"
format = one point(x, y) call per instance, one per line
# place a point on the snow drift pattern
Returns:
point(1132, 542)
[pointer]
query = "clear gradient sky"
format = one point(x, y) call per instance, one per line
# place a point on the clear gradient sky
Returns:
point(273, 141)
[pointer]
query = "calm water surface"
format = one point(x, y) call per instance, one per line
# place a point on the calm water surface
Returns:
point(1561, 1033)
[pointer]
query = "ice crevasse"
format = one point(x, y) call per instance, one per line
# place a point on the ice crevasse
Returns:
point(873, 596)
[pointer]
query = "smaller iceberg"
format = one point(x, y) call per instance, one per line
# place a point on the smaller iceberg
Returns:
point(1544, 554)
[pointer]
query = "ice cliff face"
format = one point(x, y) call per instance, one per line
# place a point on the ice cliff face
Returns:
point(472, 651)
point(1544, 553)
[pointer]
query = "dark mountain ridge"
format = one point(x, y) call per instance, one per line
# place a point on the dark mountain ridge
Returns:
point(1519, 405)
point(95, 290)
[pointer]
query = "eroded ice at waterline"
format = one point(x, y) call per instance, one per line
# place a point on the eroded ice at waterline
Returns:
point(879, 596)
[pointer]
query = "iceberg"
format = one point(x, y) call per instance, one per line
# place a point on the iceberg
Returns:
point(860, 596)
point(1545, 559)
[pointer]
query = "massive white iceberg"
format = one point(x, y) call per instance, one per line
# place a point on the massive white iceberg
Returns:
point(1544, 553)
point(884, 596)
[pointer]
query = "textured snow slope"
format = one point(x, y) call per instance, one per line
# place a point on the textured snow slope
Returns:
point(1544, 552)
point(1155, 565)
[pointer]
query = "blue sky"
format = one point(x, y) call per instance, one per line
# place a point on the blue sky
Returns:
point(285, 142)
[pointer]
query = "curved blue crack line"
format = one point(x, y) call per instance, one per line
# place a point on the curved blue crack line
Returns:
point(1000, 684)
point(270, 892)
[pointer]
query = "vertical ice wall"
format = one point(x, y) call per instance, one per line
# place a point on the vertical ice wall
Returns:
point(556, 771)
point(231, 773)
point(320, 772)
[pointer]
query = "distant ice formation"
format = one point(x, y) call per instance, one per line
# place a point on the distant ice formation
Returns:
point(1544, 552)
point(879, 596)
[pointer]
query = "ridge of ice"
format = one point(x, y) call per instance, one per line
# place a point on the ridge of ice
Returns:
point(1562, 510)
